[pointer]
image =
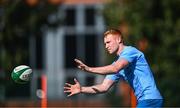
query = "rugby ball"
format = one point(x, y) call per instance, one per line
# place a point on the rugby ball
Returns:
point(21, 74)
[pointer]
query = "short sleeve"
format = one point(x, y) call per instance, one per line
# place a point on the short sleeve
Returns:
point(113, 77)
point(130, 54)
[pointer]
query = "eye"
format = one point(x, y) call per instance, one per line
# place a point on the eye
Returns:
point(107, 42)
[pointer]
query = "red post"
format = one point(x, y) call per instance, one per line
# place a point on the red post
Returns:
point(133, 99)
point(44, 89)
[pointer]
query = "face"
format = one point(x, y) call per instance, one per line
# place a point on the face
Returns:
point(111, 43)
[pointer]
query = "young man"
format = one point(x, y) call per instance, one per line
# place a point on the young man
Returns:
point(130, 64)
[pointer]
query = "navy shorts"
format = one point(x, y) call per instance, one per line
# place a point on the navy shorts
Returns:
point(158, 103)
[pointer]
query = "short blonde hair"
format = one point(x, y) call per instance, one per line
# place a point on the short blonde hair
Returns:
point(114, 32)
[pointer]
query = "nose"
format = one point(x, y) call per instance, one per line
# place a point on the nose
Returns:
point(106, 46)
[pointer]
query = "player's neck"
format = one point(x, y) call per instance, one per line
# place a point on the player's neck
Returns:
point(121, 47)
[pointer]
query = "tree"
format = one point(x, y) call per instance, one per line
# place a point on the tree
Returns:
point(154, 27)
point(19, 20)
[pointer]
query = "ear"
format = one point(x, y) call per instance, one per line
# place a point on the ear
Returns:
point(119, 39)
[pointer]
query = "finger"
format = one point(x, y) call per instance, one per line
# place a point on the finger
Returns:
point(77, 61)
point(75, 80)
point(66, 88)
point(67, 91)
point(68, 84)
point(70, 95)
point(79, 67)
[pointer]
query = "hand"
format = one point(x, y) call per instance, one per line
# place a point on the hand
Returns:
point(81, 65)
point(72, 89)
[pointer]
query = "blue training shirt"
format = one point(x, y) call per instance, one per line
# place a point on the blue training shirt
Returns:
point(137, 74)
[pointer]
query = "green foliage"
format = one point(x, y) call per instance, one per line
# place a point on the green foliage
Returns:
point(19, 21)
point(159, 22)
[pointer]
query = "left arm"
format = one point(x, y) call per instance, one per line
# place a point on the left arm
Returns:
point(109, 69)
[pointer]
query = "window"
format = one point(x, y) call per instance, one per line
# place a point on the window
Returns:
point(70, 50)
point(80, 40)
point(70, 18)
point(89, 17)
point(90, 49)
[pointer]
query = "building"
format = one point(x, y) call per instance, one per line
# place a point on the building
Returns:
point(80, 36)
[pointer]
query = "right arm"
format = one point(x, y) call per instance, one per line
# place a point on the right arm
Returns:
point(76, 88)
point(101, 88)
